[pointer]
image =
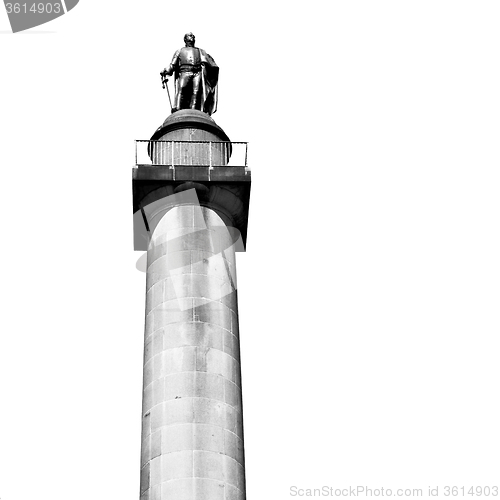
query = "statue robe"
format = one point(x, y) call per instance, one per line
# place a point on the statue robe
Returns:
point(210, 79)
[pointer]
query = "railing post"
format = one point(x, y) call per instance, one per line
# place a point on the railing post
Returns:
point(172, 146)
point(210, 154)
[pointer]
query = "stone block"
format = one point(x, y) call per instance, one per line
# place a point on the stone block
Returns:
point(148, 349)
point(202, 217)
point(210, 336)
point(233, 420)
point(178, 233)
point(146, 450)
point(208, 438)
point(154, 296)
point(208, 263)
point(233, 446)
point(168, 265)
point(145, 478)
point(147, 373)
point(177, 286)
point(209, 411)
point(233, 493)
point(172, 311)
point(224, 173)
point(240, 452)
point(234, 473)
point(178, 262)
point(156, 443)
point(155, 492)
point(158, 365)
point(156, 250)
point(178, 489)
point(209, 385)
point(224, 239)
point(181, 216)
point(196, 285)
point(208, 489)
point(215, 361)
point(157, 270)
point(232, 395)
point(179, 385)
point(229, 296)
point(230, 345)
point(208, 465)
point(146, 425)
point(211, 217)
point(193, 334)
point(235, 327)
point(148, 325)
point(177, 465)
point(147, 398)
point(191, 173)
point(177, 438)
point(178, 359)
point(157, 339)
point(213, 312)
point(157, 419)
point(178, 411)
point(158, 391)
point(237, 375)
point(200, 239)
point(155, 471)
point(206, 286)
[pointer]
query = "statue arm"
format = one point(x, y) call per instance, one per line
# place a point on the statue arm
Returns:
point(170, 70)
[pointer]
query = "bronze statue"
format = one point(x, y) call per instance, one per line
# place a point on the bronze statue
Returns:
point(196, 77)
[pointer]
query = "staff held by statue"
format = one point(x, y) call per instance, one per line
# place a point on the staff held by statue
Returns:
point(164, 84)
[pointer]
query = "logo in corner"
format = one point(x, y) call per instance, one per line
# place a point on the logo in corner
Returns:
point(26, 14)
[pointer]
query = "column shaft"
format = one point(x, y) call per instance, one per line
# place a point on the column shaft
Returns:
point(192, 437)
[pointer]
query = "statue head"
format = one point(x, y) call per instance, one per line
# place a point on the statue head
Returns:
point(189, 39)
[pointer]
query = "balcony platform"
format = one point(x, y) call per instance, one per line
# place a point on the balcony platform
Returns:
point(227, 191)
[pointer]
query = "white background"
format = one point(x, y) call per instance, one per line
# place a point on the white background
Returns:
point(369, 295)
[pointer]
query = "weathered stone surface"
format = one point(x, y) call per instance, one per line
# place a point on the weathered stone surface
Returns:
point(192, 443)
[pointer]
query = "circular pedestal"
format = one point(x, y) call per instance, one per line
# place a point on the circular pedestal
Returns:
point(211, 144)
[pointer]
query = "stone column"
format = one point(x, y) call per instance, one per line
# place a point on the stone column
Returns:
point(192, 437)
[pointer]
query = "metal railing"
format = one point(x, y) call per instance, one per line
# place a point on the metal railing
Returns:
point(191, 153)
